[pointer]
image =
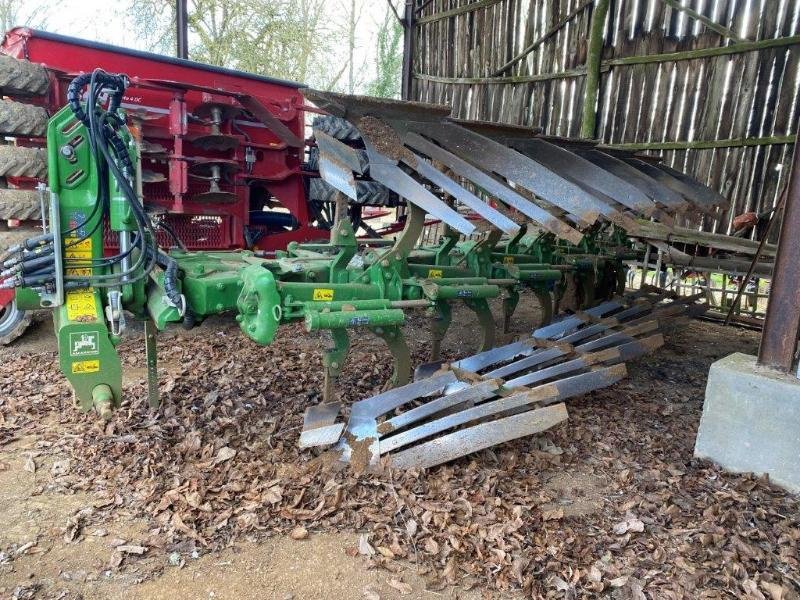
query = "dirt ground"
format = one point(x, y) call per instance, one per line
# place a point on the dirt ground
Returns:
point(204, 498)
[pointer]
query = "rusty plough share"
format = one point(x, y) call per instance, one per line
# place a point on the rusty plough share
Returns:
point(453, 409)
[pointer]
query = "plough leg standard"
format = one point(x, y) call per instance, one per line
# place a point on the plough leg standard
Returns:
point(94, 180)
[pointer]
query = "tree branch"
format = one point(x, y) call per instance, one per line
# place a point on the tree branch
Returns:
point(394, 10)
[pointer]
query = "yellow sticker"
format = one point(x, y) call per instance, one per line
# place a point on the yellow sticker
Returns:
point(81, 305)
point(323, 295)
point(85, 366)
point(82, 247)
point(434, 273)
point(81, 251)
point(508, 260)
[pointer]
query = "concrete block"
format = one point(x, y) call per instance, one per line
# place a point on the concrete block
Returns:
point(751, 420)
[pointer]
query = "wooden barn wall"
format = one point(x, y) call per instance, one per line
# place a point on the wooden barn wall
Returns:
point(743, 104)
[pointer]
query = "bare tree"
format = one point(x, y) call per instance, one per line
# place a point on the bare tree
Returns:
point(14, 13)
point(281, 38)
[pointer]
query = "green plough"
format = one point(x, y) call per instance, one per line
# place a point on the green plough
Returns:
point(573, 239)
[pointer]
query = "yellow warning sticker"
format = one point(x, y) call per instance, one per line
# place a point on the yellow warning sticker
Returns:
point(82, 247)
point(85, 366)
point(508, 260)
point(434, 273)
point(81, 305)
point(323, 295)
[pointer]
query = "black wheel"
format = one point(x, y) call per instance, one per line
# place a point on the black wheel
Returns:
point(22, 77)
point(13, 321)
point(370, 193)
point(337, 128)
point(19, 161)
point(19, 119)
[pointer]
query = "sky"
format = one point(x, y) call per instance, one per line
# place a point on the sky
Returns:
point(105, 21)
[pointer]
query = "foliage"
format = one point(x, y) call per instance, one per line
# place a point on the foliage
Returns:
point(280, 38)
point(388, 59)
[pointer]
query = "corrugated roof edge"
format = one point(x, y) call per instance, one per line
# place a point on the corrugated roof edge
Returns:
point(157, 57)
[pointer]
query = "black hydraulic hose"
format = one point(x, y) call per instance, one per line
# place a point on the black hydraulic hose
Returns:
point(171, 281)
point(73, 98)
point(117, 83)
point(142, 221)
point(171, 232)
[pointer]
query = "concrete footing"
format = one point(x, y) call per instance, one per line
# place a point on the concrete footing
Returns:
point(751, 420)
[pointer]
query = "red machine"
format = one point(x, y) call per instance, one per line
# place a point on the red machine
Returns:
point(222, 150)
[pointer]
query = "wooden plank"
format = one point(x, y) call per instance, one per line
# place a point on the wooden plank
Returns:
point(456, 11)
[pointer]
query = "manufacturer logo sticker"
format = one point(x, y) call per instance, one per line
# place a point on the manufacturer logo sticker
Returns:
point(84, 343)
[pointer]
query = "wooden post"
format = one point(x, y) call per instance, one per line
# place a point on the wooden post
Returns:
point(782, 323)
point(594, 57)
point(409, 24)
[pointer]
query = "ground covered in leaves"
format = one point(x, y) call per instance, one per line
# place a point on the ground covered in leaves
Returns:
point(609, 504)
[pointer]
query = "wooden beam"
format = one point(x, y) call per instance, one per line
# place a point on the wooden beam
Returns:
point(468, 8)
point(739, 48)
point(680, 235)
point(704, 144)
point(711, 24)
point(422, 6)
point(579, 72)
point(544, 37)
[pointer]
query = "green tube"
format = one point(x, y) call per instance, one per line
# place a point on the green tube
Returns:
point(540, 275)
point(377, 304)
point(353, 318)
point(466, 292)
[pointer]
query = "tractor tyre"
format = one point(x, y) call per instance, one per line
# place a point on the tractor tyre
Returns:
point(336, 128)
point(19, 161)
point(22, 205)
point(13, 321)
point(22, 120)
point(22, 77)
point(370, 193)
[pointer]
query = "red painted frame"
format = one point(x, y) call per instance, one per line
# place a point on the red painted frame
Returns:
point(164, 93)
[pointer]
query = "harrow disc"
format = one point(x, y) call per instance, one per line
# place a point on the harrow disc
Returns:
point(22, 77)
point(17, 119)
point(18, 161)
